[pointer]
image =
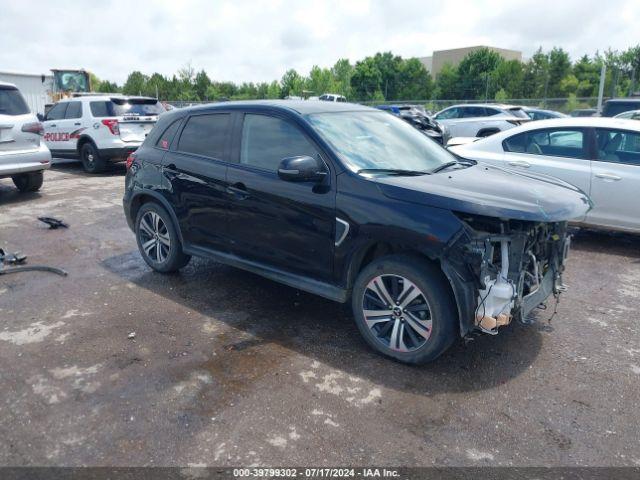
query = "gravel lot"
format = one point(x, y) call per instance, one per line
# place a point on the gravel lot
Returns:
point(227, 368)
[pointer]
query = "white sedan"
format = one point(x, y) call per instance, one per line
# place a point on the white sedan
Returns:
point(599, 155)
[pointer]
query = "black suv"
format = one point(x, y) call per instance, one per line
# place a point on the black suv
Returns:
point(352, 204)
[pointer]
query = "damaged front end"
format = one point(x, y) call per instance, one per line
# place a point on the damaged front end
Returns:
point(503, 269)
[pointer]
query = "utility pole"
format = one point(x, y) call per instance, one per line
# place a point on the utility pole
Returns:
point(486, 89)
point(603, 72)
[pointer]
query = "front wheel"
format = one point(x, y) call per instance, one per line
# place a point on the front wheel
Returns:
point(28, 182)
point(158, 239)
point(404, 308)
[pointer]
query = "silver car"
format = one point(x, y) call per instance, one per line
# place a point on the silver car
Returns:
point(23, 154)
point(479, 119)
point(599, 155)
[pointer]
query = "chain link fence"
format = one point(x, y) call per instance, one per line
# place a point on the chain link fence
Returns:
point(564, 105)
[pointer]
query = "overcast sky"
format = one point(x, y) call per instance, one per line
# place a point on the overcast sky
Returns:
point(247, 40)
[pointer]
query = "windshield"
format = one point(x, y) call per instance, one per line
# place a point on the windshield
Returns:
point(134, 106)
point(377, 140)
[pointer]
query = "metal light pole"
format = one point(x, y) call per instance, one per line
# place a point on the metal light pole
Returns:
point(603, 72)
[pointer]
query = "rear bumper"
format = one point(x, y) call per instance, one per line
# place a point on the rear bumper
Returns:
point(118, 154)
point(24, 162)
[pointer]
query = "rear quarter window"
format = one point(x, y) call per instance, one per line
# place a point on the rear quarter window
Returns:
point(100, 109)
point(166, 137)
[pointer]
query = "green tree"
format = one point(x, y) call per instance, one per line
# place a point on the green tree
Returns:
point(509, 77)
point(292, 83)
point(415, 82)
point(135, 84)
point(559, 68)
point(389, 66)
point(536, 74)
point(475, 71)
point(320, 81)
point(366, 80)
point(201, 84)
point(342, 72)
point(448, 83)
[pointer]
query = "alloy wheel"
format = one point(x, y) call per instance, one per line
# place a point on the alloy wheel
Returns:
point(154, 237)
point(397, 312)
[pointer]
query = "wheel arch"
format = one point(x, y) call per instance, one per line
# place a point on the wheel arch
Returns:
point(462, 297)
point(82, 140)
point(145, 196)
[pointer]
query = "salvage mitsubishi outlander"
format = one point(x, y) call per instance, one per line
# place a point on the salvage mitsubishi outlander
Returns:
point(355, 205)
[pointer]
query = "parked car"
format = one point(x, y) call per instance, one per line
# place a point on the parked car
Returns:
point(418, 118)
point(99, 129)
point(352, 204)
point(631, 114)
point(615, 106)
point(480, 120)
point(584, 112)
point(541, 114)
point(23, 154)
point(332, 97)
point(599, 155)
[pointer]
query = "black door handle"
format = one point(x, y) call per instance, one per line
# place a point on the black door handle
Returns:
point(238, 190)
point(53, 125)
point(77, 123)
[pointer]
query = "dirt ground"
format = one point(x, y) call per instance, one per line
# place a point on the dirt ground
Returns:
point(227, 368)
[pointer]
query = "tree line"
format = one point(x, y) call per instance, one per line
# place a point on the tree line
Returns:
point(482, 74)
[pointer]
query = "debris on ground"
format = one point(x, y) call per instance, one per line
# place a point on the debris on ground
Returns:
point(53, 222)
point(131, 335)
point(19, 259)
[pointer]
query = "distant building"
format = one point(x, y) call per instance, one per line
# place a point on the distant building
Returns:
point(454, 56)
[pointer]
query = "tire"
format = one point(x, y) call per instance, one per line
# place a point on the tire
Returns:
point(91, 160)
point(421, 334)
point(28, 182)
point(165, 253)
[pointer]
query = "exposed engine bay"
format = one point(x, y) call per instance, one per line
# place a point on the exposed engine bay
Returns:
point(514, 266)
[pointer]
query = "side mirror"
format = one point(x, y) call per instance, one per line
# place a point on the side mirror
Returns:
point(40, 117)
point(301, 169)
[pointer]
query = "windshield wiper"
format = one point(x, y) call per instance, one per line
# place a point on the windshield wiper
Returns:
point(444, 166)
point(392, 171)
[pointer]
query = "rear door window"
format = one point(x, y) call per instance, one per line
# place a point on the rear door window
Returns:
point(472, 112)
point(12, 103)
point(206, 135)
point(74, 110)
point(267, 140)
point(560, 142)
point(58, 111)
point(618, 146)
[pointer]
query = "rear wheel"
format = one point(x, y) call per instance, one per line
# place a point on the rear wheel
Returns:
point(28, 182)
point(91, 160)
point(404, 308)
point(158, 240)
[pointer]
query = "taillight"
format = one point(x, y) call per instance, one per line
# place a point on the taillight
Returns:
point(112, 125)
point(35, 127)
point(130, 160)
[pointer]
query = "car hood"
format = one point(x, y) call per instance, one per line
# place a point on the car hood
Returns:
point(492, 191)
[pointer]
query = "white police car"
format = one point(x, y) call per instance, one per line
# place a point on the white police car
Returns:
point(99, 128)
